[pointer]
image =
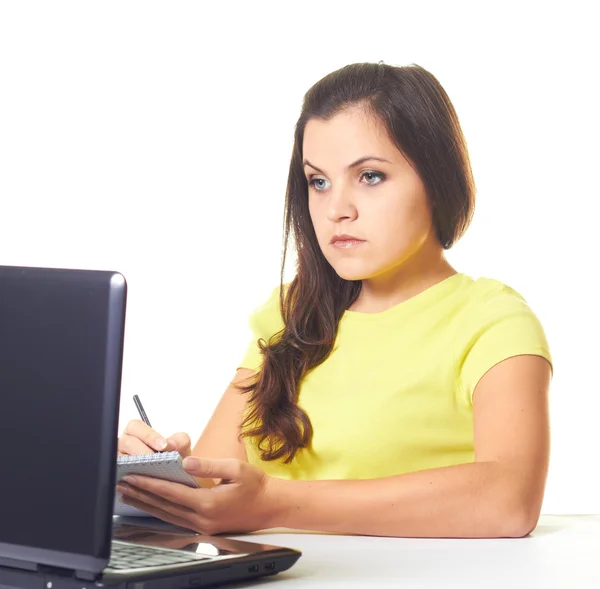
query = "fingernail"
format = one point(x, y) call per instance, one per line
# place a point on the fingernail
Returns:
point(160, 443)
point(129, 479)
point(190, 463)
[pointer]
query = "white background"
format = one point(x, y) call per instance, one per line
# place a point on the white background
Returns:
point(154, 138)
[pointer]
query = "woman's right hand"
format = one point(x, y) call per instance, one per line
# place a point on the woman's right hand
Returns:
point(139, 438)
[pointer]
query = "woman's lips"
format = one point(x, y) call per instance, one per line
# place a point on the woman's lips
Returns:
point(347, 243)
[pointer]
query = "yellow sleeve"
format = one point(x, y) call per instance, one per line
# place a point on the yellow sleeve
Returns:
point(502, 327)
point(264, 321)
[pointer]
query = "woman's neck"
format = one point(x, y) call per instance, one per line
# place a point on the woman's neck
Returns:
point(399, 284)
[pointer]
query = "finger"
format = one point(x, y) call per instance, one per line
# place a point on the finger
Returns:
point(182, 443)
point(150, 437)
point(167, 516)
point(228, 469)
point(128, 445)
point(154, 499)
point(174, 493)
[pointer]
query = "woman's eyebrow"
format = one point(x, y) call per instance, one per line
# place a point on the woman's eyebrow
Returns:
point(359, 161)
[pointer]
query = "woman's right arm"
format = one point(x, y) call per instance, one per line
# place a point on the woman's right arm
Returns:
point(220, 438)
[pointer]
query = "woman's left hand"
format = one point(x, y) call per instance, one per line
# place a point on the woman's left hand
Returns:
point(241, 502)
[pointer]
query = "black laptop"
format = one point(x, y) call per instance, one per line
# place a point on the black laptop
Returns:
point(61, 350)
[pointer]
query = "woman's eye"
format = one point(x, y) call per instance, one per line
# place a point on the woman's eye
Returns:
point(312, 183)
point(318, 183)
point(373, 175)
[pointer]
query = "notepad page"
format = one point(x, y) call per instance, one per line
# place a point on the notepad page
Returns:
point(165, 465)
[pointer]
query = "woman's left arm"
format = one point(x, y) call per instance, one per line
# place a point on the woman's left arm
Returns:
point(498, 495)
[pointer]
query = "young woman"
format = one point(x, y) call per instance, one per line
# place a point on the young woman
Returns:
point(383, 392)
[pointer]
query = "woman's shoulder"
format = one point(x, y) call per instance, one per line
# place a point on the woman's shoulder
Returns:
point(486, 286)
point(265, 318)
point(497, 310)
point(486, 293)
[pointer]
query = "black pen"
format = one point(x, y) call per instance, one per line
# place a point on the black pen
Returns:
point(141, 411)
point(143, 415)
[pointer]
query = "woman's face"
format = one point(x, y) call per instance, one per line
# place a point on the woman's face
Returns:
point(381, 203)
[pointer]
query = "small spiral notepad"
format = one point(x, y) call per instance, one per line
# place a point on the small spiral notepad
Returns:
point(162, 465)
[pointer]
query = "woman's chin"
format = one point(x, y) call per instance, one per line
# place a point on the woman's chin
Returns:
point(351, 273)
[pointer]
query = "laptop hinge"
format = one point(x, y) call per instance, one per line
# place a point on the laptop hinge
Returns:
point(67, 573)
point(18, 564)
point(86, 575)
point(32, 566)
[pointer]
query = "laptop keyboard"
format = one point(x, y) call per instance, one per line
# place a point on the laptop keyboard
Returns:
point(135, 556)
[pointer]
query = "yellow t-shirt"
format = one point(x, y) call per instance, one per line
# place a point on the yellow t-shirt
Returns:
point(395, 395)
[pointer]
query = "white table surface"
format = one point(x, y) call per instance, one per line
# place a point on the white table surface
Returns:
point(563, 551)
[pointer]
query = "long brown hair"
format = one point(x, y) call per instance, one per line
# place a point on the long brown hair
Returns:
point(423, 124)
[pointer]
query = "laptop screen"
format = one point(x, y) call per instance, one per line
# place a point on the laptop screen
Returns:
point(61, 337)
